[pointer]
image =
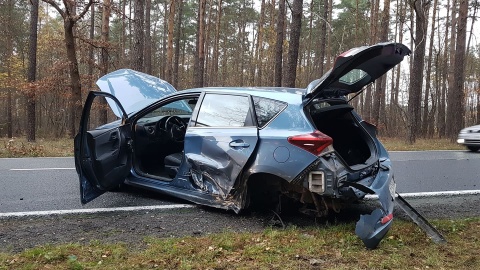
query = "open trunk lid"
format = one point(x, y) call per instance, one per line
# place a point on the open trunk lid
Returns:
point(356, 68)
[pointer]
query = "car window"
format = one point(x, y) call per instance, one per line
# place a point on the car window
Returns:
point(224, 111)
point(266, 109)
point(353, 76)
point(179, 107)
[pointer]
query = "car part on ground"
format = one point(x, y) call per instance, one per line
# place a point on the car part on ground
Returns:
point(423, 223)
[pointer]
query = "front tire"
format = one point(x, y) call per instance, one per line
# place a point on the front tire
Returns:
point(473, 148)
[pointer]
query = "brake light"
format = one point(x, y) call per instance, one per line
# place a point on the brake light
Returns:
point(314, 142)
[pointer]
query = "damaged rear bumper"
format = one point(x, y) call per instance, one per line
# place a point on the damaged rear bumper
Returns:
point(372, 228)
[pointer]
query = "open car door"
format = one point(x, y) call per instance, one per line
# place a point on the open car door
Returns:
point(103, 156)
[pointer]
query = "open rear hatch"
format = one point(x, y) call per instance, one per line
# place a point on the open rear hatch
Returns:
point(326, 104)
point(356, 68)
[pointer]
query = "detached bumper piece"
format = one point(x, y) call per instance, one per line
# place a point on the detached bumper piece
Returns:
point(373, 227)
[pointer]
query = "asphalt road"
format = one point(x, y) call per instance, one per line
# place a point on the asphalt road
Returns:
point(42, 184)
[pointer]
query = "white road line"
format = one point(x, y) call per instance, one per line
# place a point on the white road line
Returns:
point(42, 169)
point(179, 206)
point(431, 194)
point(95, 210)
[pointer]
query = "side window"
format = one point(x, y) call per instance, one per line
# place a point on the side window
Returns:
point(266, 109)
point(224, 111)
point(179, 107)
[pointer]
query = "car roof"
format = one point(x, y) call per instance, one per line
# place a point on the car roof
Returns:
point(285, 94)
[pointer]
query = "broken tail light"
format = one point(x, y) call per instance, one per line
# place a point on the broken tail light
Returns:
point(315, 142)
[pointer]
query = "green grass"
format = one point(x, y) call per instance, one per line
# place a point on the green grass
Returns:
point(334, 247)
point(19, 147)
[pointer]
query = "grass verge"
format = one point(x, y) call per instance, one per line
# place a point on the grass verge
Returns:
point(333, 247)
point(399, 144)
point(19, 147)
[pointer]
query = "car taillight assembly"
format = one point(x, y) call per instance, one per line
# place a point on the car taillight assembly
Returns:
point(315, 142)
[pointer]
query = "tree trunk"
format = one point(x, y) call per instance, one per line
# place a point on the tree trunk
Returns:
point(123, 35)
point(425, 118)
point(148, 38)
point(455, 101)
point(416, 77)
point(102, 116)
point(323, 39)
point(8, 60)
point(279, 43)
point(329, 34)
point(105, 36)
point(91, 58)
point(32, 72)
point(379, 100)
point(76, 87)
point(69, 19)
point(138, 36)
point(451, 70)
point(208, 24)
point(178, 34)
point(216, 43)
point(200, 53)
point(259, 47)
point(171, 22)
point(295, 29)
point(471, 32)
point(441, 118)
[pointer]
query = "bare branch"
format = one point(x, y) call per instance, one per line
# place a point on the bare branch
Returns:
point(53, 4)
point(84, 11)
point(67, 4)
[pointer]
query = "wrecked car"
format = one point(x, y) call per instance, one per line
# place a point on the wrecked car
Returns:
point(231, 148)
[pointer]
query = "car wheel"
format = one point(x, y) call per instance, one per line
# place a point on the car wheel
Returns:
point(473, 148)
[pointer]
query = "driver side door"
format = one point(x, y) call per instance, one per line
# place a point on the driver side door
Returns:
point(103, 155)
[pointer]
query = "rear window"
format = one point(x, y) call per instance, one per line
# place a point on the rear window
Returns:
point(266, 109)
point(353, 76)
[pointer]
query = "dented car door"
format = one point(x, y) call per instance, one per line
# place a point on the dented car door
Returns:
point(219, 142)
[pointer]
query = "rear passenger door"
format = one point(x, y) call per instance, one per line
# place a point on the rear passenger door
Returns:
point(220, 140)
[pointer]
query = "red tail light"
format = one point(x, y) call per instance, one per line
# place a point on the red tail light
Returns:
point(314, 142)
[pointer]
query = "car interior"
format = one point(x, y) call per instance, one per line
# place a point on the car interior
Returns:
point(351, 142)
point(158, 139)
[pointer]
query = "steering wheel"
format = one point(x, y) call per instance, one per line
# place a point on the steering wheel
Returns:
point(175, 128)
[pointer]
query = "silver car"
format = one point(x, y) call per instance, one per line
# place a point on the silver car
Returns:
point(470, 138)
point(232, 148)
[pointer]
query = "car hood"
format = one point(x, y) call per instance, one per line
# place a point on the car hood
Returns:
point(356, 68)
point(472, 128)
point(134, 90)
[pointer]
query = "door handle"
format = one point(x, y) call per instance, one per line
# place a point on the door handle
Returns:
point(239, 144)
